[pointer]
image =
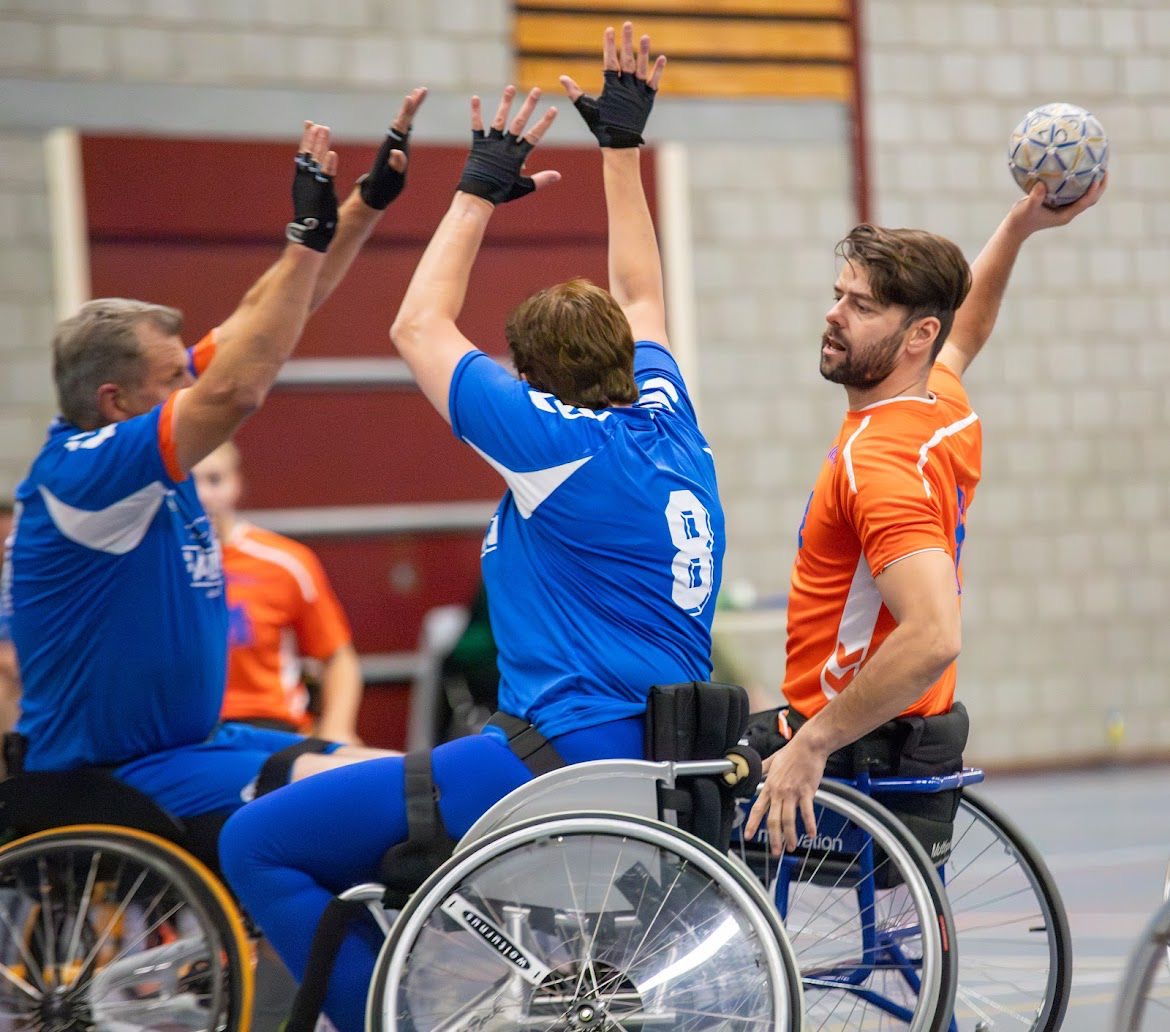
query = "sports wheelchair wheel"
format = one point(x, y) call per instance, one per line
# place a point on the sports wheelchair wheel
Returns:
point(104, 927)
point(1014, 946)
point(586, 922)
point(1143, 1002)
point(866, 915)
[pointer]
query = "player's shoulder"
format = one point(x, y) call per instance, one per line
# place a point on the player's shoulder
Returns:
point(946, 384)
point(249, 536)
point(294, 560)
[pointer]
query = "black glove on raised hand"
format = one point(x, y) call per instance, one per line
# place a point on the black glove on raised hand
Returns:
point(382, 183)
point(314, 206)
point(493, 168)
point(619, 115)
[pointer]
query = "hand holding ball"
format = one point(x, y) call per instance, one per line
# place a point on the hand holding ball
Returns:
point(1062, 146)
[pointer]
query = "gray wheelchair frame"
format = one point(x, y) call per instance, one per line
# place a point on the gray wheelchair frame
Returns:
point(608, 790)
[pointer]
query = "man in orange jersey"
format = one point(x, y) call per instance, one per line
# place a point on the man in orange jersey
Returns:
point(873, 613)
point(280, 608)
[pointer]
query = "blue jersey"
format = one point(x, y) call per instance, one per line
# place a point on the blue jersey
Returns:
point(603, 560)
point(115, 596)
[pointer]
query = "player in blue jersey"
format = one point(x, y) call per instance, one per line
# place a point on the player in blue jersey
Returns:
point(113, 583)
point(602, 562)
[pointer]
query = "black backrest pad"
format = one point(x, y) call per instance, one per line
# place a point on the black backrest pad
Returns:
point(695, 720)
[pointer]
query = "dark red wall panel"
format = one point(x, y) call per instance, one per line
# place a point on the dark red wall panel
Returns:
point(388, 583)
point(206, 280)
point(357, 448)
point(193, 223)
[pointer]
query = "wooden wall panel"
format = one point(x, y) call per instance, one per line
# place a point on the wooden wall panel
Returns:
point(729, 48)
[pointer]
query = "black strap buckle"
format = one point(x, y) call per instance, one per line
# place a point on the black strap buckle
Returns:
point(530, 747)
point(14, 749)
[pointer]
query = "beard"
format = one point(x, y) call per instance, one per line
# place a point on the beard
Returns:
point(863, 371)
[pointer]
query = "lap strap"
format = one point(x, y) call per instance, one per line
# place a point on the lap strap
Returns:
point(530, 747)
point(277, 769)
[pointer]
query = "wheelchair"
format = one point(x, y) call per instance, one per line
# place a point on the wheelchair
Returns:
point(885, 936)
point(1143, 998)
point(579, 902)
point(572, 904)
point(108, 920)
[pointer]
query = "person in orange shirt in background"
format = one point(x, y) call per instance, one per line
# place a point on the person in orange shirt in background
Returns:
point(280, 608)
point(873, 613)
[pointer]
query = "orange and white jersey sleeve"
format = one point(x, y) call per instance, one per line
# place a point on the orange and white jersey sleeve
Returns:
point(281, 607)
point(898, 481)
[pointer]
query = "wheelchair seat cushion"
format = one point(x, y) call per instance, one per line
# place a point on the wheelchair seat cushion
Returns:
point(39, 800)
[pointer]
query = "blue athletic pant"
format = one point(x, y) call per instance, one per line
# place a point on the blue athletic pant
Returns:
point(215, 776)
point(288, 853)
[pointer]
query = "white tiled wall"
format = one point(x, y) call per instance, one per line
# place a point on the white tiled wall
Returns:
point(26, 313)
point(341, 43)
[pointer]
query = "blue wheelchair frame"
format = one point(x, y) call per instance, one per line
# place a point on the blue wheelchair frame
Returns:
point(880, 948)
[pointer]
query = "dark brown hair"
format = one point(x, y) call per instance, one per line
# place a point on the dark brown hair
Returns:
point(921, 271)
point(574, 341)
point(100, 345)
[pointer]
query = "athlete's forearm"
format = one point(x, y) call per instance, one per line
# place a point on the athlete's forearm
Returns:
point(341, 695)
point(902, 670)
point(990, 273)
point(355, 223)
point(635, 266)
point(259, 336)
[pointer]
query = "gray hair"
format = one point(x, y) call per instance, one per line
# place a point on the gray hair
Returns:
point(100, 345)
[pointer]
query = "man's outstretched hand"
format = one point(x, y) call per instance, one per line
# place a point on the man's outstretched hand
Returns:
point(387, 178)
point(1031, 214)
point(618, 117)
point(495, 166)
point(314, 200)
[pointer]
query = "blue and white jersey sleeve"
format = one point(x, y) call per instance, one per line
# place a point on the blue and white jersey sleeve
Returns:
point(99, 467)
point(660, 382)
point(101, 488)
point(532, 439)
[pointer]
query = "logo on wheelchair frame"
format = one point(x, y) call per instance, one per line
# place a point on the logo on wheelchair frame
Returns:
point(466, 914)
point(831, 843)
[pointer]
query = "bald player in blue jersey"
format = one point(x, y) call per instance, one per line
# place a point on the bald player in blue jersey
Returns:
point(602, 562)
point(113, 586)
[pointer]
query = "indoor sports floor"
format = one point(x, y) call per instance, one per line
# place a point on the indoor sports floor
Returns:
point(1106, 836)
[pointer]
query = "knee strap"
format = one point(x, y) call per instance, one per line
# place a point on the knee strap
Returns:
point(277, 768)
point(406, 866)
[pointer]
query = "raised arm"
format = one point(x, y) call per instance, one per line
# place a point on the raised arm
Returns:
point(617, 118)
point(372, 195)
point(991, 271)
point(254, 342)
point(424, 330)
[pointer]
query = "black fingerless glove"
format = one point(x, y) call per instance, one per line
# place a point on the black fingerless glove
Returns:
point(314, 206)
point(492, 170)
point(382, 183)
point(618, 117)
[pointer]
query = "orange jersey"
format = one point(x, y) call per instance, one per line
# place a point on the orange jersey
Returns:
point(280, 608)
point(898, 480)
